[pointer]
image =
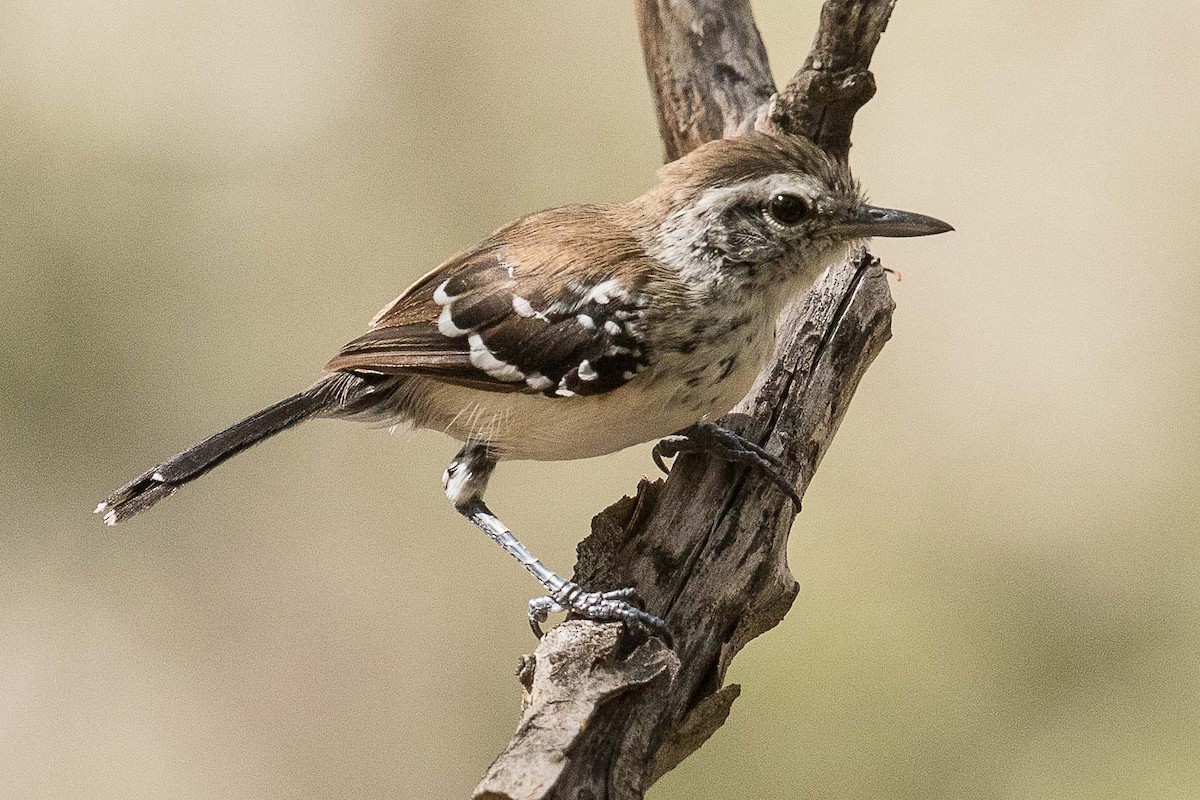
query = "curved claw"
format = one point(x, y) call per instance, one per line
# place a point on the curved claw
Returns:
point(540, 608)
point(773, 468)
point(667, 448)
point(723, 443)
point(618, 605)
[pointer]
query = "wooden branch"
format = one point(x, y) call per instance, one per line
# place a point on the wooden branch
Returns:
point(707, 67)
point(605, 717)
point(835, 82)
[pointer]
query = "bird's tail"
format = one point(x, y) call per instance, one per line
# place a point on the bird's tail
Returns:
point(336, 391)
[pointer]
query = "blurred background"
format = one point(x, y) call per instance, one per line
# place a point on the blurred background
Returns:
point(200, 201)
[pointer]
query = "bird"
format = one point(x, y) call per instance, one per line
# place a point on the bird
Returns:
point(581, 330)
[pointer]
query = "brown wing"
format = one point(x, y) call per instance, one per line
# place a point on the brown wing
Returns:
point(553, 304)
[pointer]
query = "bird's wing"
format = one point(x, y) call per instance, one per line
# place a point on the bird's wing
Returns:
point(547, 306)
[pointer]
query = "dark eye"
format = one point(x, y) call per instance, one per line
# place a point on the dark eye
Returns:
point(788, 209)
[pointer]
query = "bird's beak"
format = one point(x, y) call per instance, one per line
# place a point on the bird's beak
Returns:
point(867, 221)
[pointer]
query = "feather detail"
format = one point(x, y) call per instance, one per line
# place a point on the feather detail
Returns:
point(515, 315)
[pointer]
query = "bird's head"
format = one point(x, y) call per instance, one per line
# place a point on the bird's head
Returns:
point(771, 206)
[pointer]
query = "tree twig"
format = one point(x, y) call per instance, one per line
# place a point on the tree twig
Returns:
point(604, 719)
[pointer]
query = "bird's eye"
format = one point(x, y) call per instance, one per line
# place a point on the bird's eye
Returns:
point(788, 209)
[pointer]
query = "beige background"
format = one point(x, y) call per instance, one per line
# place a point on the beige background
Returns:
point(200, 201)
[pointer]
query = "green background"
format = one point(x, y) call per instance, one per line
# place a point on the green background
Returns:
point(200, 201)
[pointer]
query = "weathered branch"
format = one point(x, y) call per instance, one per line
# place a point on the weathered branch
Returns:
point(707, 67)
point(604, 718)
point(835, 82)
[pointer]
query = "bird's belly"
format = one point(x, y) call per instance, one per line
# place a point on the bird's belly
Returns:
point(674, 393)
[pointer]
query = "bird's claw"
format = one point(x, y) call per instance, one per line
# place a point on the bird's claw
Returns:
point(667, 448)
point(618, 605)
point(725, 444)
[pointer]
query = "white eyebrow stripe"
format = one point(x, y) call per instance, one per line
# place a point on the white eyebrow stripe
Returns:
point(761, 188)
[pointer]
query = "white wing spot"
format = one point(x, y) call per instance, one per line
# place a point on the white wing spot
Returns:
point(439, 294)
point(483, 359)
point(604, 291)
point(612, 327)
point(525, 309)
point(538, 382)
point(445, 323)
point(446, 326)
point(586, 373)
point(586, 321)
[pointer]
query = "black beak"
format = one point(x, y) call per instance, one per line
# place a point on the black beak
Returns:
point(868, 221)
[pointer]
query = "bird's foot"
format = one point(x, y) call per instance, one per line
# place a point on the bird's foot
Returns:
point(619, 605)
point(705, 437)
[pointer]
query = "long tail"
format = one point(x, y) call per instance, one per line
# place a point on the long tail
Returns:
point(333, 392)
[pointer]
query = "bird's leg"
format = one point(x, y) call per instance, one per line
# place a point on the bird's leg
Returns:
point(705, 437)
point(465, 481)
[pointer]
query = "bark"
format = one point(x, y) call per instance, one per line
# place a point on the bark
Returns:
point(604, 715)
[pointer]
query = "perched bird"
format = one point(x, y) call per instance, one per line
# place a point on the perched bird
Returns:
point(582, 330)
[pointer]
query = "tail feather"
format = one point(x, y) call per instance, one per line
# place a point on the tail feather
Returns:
point(145, 490)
